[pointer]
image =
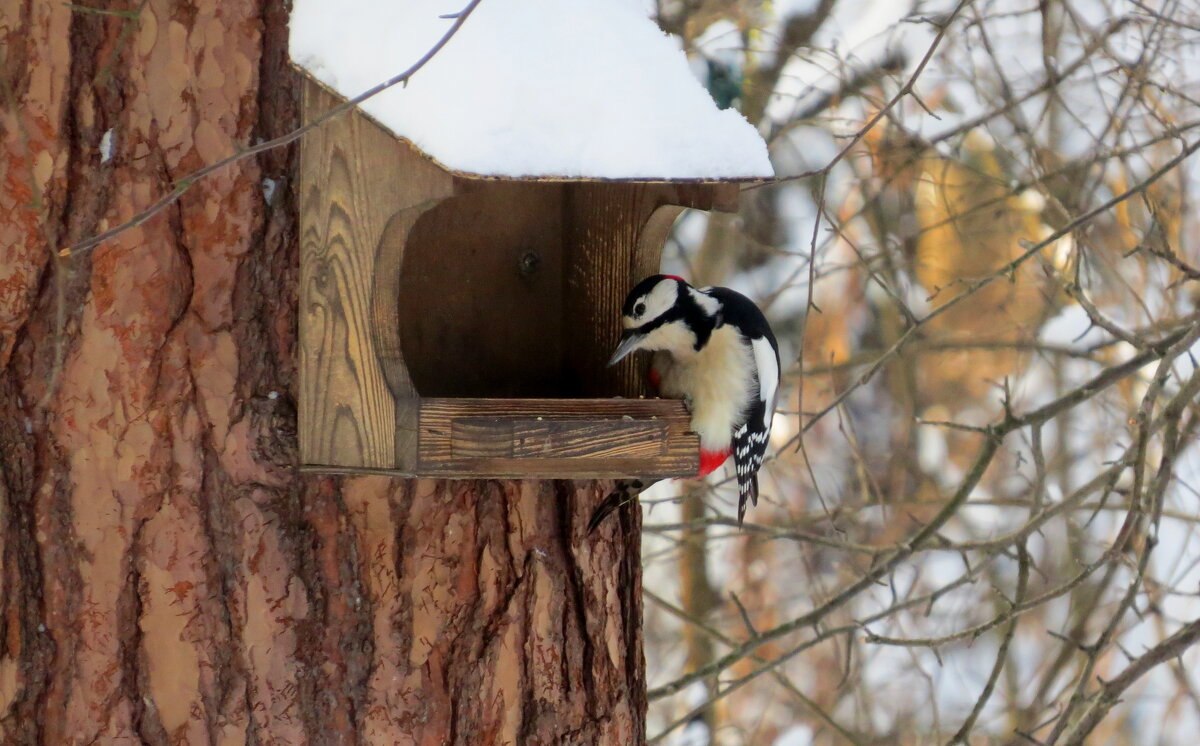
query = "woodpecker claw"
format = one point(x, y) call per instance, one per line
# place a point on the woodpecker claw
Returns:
point(625, 492)
point(602, 511)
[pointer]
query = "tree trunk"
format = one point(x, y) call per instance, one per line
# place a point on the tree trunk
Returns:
point(167, 576)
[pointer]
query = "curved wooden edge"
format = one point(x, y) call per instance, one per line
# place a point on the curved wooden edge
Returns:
point(385, 325)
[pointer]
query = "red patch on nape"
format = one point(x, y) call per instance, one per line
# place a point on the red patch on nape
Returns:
point(675, 277)
point(710, 461)
point(655, 378)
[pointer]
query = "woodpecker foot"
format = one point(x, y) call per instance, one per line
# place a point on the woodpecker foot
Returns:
point(626, 491)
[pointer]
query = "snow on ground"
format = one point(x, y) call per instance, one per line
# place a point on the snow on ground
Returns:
point(569, 88)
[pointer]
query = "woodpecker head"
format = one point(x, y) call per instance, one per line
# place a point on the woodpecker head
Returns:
point(663, 312)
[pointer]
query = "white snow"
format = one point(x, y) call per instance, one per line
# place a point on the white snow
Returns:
point(933, 454)
point(550, 88)
point(695, 733)
point(106, 146)
point(797, 735)
point(696, 694)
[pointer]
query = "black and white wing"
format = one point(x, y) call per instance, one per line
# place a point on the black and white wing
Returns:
point(750, 439)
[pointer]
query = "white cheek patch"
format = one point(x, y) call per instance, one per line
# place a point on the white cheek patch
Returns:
point(674, 338)
point(658, 301)
point(710, 304)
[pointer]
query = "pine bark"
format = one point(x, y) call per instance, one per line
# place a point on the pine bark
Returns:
point(166, 574)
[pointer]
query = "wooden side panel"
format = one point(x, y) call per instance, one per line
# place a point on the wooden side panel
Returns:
point(603, 261)
point(721, 197)
point(481, 296)
point(571, 438)
point(354, 177)
point(653, 238)
point(385, 332)
point(614, 237)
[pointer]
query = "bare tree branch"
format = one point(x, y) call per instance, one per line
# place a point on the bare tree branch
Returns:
point(186, 183)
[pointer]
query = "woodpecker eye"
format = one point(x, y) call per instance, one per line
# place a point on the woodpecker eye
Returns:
point(639, 309)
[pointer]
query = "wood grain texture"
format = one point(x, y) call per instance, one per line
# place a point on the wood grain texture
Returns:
point(614, 235)
point(653, 238)
point(573, 438)
point(385, 333)
point(351, 189)
point(524, 437)
point(424, 187)
point(604, 257)
point(481, 294)
point(495, 619)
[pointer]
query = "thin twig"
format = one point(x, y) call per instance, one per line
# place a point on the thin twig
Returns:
point(187, 182)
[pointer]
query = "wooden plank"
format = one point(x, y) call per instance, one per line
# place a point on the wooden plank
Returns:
point(523, 437)
point(589, 438)
point(556, 438)
point(425, 187)
point(721, 196)
point(354, 178)
point(603, 257)
point(671, 410)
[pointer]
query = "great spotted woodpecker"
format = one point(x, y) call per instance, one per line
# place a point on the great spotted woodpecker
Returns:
point(715, 350)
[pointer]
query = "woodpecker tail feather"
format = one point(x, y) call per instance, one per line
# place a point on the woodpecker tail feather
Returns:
point(625, 491)
point(747, 492)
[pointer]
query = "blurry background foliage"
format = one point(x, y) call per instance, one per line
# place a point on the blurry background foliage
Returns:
point(979, 525)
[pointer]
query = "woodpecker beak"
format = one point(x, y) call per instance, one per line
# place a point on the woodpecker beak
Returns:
point(630, 339)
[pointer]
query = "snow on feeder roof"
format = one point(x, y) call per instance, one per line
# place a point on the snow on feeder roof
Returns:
point(588, 89)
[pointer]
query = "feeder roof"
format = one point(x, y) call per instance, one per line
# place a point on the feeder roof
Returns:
point(588, 89)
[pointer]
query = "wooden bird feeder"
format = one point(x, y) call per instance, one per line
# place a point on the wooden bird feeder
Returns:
point(456, 324)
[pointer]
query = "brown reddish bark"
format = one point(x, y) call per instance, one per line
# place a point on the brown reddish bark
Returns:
point(167, 576)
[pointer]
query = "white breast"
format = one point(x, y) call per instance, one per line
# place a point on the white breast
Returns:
point(718, 380)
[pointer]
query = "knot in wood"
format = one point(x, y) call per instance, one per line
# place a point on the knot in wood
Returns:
point(529, 263)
